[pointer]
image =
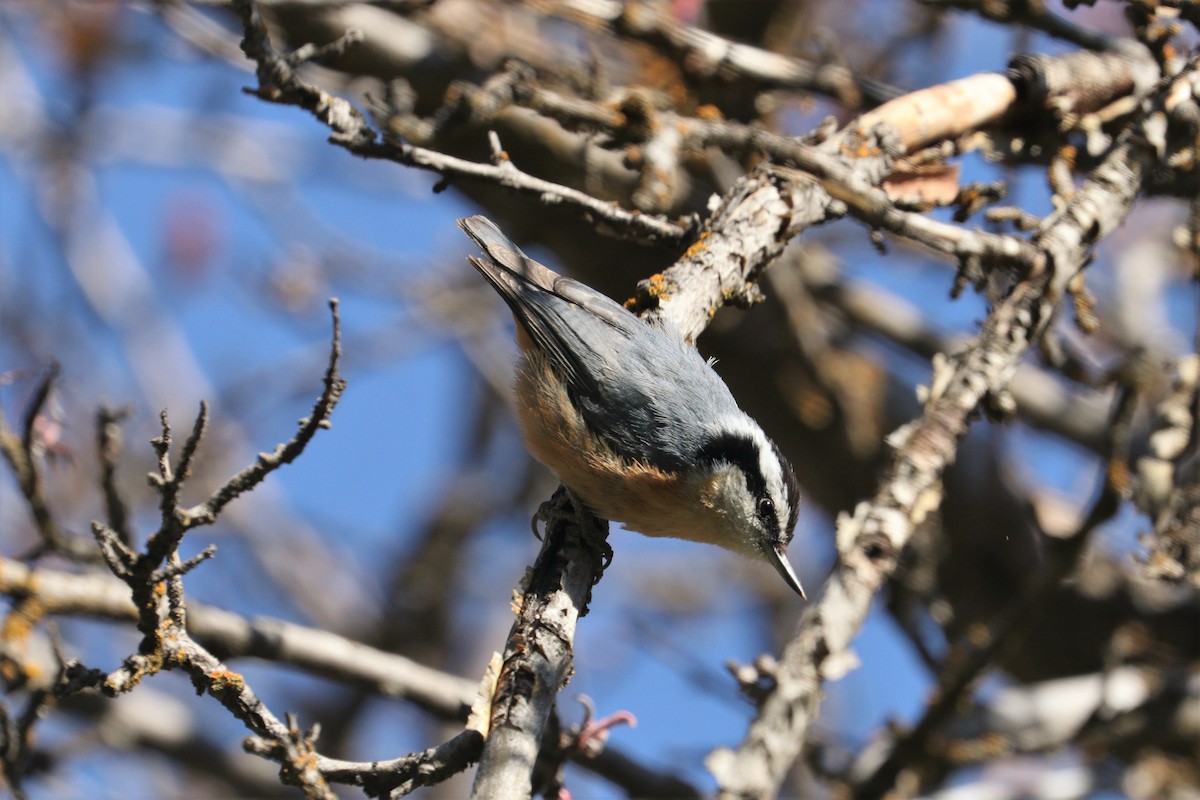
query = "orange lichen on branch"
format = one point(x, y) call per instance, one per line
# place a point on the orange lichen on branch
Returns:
point(26, 613)
point(654, 289)
point(226, 681)
point(861, 145)
point(691, 251)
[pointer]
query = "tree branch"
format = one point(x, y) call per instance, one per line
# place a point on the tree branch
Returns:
point(703, 54)
point(279, 83)
point(538, 658)
point(18, 451)
point(870, 541)
point(206, 513)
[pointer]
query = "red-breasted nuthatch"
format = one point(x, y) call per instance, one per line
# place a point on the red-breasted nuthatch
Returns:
point(633, 420)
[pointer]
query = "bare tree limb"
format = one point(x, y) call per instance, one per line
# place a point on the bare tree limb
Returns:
point(871, 539)
point(231, 636)
point(19, 452)
point(754, 222)
point(655, 158)
point(704, 54)
point(297, 755)
point(538, 659)
point(402, 776)
point(1169, 479)
point(974, 653)
point(166, 643)
point(234, 636)
point(764, 211)
point(108, 450)
point(279, 83)
point(206, 512)
point(1033, 15)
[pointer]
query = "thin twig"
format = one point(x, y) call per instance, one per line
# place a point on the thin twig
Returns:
point(183, 470)
point(297, 756)
point(119, 556)
point(401, 776)
point(206, 512)
point(18, 451)
point(178, 570)
point(108, 450)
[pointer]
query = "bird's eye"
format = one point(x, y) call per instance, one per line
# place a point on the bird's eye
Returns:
point(766, 508)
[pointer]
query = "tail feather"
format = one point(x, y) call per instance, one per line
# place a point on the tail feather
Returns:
point(505, 255)
point(567, 321)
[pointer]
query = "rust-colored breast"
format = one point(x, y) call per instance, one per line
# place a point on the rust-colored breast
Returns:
point(644, 498)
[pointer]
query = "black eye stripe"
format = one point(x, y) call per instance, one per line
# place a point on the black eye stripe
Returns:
point(740, 451)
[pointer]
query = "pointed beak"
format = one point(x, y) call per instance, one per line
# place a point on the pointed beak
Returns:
point(779, 561)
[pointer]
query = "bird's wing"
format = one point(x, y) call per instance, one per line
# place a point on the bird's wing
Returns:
point(640, 387)
point(569, 322)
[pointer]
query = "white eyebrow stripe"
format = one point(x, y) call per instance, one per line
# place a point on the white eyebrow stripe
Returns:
point(768, 464)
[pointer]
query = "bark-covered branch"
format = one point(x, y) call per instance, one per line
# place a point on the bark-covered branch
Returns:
point(538, 659)
point(280, 83)
point(871, 539)
point(1169, 479)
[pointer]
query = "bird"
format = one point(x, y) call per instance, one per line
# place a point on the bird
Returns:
point(633, 420)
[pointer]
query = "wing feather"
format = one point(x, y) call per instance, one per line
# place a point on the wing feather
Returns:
point(548, 305)
point(640, 387)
